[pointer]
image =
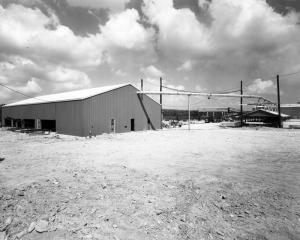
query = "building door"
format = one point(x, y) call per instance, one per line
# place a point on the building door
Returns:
point(132, 127)
point(38, 124)
point(112, 125)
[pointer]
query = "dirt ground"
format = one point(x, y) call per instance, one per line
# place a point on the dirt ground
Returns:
point(207, 183)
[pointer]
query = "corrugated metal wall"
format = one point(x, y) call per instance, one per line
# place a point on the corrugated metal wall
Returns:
point(68, 115)
point(122, 105)
point(44, 111)
point(93, 114)
point(293, 112)
point(69, 118)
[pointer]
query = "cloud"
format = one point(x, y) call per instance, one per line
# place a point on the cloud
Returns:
point(120, 73)
point(240, 40)
point(262, 87)
point(112, 5)
point(174, 101)
point(127, 42)
point(186, 66)
point(169, 101)
point(14, 69)
point(200, 89)
point(179, 30)
point(31, 79)
point(203, 4)
point(249, 25)
point(31, 87)
point(68, 79)
point(33, 44)
point(244, 40)
point(152, 72)
point(26, 31)
point(123, 30)
point(6, 66)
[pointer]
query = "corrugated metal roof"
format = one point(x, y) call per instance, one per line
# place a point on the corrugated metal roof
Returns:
point(276, 113)
point(67, 96)
point(268, 111)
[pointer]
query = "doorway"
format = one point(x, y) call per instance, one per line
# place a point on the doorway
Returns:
point(48, 125)
point(132, 127)
point(112, 125)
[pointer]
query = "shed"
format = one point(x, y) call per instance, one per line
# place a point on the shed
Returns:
point(263, 117)
point(94, 111)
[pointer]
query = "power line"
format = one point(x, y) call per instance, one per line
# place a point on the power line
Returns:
point(175, 89)
point(11, 89)
point(273, 76)
point(228, 91)
point(289, 74)
point(224, 91)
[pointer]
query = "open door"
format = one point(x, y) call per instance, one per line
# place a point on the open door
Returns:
point(132, 127)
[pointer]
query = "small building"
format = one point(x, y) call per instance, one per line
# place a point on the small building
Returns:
point(263, 117)
point(291, 109)
point(215, 114)
point(86, 112)
point(179, 115)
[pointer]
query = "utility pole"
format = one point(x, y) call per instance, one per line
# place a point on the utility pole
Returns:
point(241, 104)
point(189, 112)
point(160, 101)
point(278, 102)
point(142, 88)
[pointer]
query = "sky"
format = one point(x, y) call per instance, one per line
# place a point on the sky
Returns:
point(51, 46)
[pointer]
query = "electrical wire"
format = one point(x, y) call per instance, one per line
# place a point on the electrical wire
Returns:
point(289, 74)
point(174, 89)
point(11, 89)
point(223, 91)
point(227, 91)
point(273, 76)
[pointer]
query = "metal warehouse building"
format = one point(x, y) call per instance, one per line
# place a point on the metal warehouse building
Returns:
point(86, 112)
point(291, 109)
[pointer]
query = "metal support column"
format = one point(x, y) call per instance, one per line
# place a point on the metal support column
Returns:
point(241, 104)
point(189, 112)
point(278, 102)
point(160, 101)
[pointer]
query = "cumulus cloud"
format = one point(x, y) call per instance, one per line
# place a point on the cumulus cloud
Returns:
point(179, 30)
point(243, 40)
point(112, 5)
point(31, 87)
point(152, 72)
point(26, 31)
point(123, 30)
point(200, 88)
point(186, 66)
point(203, 4)
point(127, 42)
point(249, 25)
point(35, 45)
point(120, 73)
point(261, 87)
point(68, 79)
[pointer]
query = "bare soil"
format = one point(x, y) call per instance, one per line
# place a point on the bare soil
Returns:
point(208, 183)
